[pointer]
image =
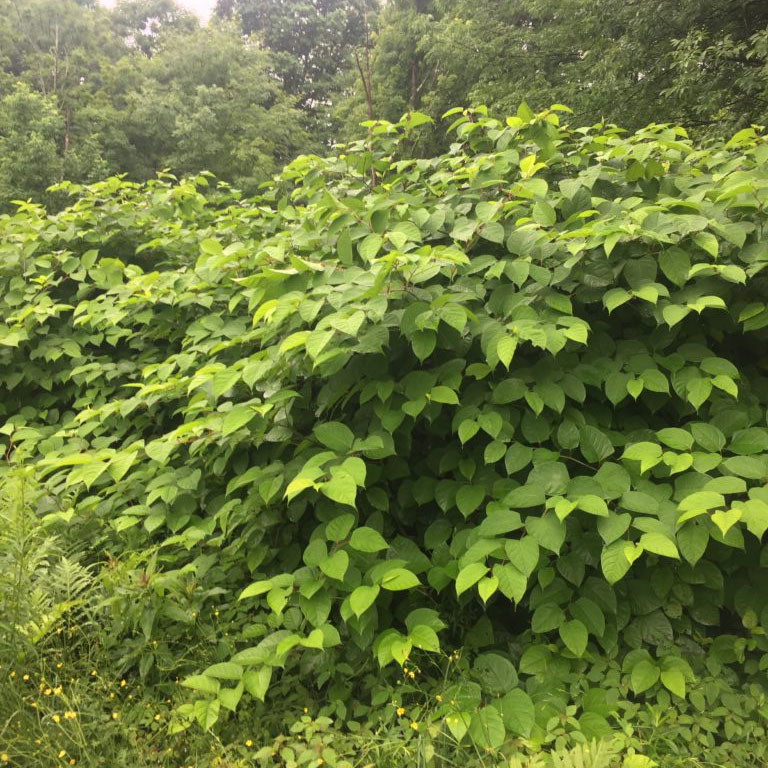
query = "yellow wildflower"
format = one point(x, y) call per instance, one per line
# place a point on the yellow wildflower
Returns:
point(70, 715)
point(414, 725)
point(63, 753)
point(115, 715)
point(56, 718)
point(26, 677)
point(4, 757)
point(157, 716)
point(438, 697)
point(248, 743)
point(123, 683)
point(400, 711)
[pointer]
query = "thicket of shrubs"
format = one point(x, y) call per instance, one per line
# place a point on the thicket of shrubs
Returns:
point(467, 452)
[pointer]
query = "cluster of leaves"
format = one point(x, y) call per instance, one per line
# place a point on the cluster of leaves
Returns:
point(505, 398)
point(60, 702)
point(700, 64)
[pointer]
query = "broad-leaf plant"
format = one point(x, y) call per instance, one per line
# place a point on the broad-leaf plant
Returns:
point(511, 399)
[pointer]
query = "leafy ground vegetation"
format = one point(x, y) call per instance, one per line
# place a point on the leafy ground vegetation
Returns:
point(448, 461)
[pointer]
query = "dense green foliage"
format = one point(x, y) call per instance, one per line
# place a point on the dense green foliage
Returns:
point(480, 435)
point(310, 42)
point(698, 63)
point(86, 91)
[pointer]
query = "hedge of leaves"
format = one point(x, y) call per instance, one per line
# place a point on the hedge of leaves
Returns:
point(510, 399)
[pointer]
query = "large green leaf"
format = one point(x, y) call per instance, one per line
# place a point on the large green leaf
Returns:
point(547, 617)
point(367, 539)
point(645, 674)
point(362, 598)
point(397, 579)
point(335, 435)
point(238, 417)
point(469, 576)
point(486, 728)
point(341, 488)
point(517, 711)
point(207, 712)
point(574, 635)
point(673, 680)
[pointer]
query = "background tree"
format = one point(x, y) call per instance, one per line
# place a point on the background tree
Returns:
point(135, 90)
point(311, 43)
point(401, 74)
point(702, 64)
point(140, 87)
point(29, 127)
point(143, 22)
point(630, 63)
point(208, 102)
point(61, 51)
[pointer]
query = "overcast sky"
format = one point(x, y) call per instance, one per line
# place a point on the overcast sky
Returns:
point(202, 8)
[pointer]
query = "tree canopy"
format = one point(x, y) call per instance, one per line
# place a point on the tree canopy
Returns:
point(131, 87)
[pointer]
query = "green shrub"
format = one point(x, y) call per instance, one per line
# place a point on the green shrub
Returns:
point(510, 399)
